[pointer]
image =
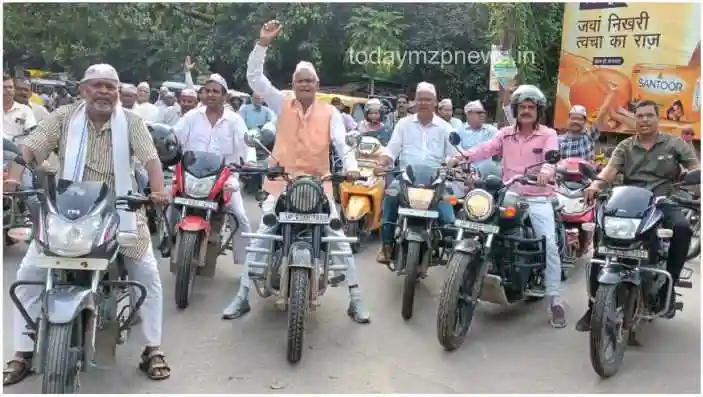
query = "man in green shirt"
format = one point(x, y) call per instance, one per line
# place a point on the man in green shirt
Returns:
point(652, 160)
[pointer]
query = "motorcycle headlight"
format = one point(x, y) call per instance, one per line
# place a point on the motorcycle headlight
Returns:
point(621, 228)
point(420, 199)
point(72, 239)
point(478, 205)
point(199, 187)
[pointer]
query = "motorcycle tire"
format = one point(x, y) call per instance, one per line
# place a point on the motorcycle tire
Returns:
point(694, 247)
point(188, 247)
point(412, 268)
point(297, 307)
point(465, 279)
point(62, 359)
point(607, 301)
point(351, 229)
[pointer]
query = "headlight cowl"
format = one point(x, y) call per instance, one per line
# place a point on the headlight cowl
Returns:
point(621, 228)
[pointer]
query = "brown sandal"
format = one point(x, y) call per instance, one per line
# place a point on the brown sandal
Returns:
point(16, 370)
point(152, 362)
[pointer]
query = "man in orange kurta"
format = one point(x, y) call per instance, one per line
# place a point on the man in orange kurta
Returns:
point(304, 130)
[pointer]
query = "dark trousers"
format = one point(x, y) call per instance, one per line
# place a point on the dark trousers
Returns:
point(675, 220)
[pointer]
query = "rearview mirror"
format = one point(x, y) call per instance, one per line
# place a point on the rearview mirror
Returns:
point(552, 156)
point(251, 137)
point(454, 138)
point(692, 178)
point(352, 138)
point(588, 171)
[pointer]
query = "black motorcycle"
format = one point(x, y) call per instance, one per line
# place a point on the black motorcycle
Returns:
point(632, 246)
point(89, 304)
point(497, 258)
point(16, 214)
point(419, 242)
point(252, 183)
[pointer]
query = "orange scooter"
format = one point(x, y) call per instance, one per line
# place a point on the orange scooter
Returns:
point(362, 200)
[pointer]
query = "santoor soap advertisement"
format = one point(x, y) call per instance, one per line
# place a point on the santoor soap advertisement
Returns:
point(615, 54)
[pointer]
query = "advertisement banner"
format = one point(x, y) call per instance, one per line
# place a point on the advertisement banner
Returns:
point(615, 54)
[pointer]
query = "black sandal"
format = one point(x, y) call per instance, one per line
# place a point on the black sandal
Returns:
point(16, 373)
point(153, 361)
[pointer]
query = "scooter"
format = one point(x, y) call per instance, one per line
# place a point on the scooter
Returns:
point(362, 200)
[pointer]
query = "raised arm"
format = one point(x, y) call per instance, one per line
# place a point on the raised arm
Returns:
point(187, 67)
point(259, 83)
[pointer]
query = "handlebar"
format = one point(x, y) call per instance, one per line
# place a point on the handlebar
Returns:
point(278, 171)
point(132, 201)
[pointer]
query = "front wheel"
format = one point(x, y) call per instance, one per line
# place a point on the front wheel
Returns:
point(608, 337)
point(412, 267)
point(351, 229)
point(297, 307)
point(188, 247)
point(63, 358)
point(458, 300)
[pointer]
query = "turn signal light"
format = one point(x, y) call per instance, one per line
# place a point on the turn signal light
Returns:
point(451, 200)
point(665, 233)
point(509, 212)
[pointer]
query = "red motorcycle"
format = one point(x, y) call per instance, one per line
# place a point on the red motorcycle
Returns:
point(202, 187)
point(574, 209)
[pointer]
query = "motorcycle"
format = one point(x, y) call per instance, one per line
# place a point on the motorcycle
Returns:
point(632, 247)
point(89, 304)
point(574, 210)
point(419, 242)
point(299, 258)
point(202, 188)
point(361, 201)
point(497, 257)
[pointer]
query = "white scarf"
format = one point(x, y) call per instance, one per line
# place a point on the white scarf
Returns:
point(75, 159)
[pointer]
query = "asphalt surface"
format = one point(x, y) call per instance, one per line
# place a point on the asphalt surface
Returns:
point(509, 350)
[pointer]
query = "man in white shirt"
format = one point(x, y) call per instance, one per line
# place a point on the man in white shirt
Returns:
point(170, 111)
point(128, 96)
point(16, 117)
point(146, 110)
point(23, 92)
point(214, 129)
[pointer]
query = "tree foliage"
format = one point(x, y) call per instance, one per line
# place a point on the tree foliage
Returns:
point(150, 40)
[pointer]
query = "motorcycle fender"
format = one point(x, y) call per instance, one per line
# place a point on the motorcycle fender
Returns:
point(194, 224)
point(64, 304)
point(357, 207)
point(616, 274)
point(421, 236)
point(300, 256)
point(470, 247)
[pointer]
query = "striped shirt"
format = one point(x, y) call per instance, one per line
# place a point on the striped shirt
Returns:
point(52, 134)
point(582, 146)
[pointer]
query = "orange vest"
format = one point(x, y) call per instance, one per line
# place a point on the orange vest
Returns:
point(302, 141)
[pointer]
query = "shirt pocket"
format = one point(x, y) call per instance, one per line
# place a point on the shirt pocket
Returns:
point(223, 144)
point(435, 144)
point(665, 165)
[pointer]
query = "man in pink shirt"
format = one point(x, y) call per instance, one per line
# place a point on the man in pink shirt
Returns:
point(520, 146)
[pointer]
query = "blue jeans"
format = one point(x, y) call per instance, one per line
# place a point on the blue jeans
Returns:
point(390, 213)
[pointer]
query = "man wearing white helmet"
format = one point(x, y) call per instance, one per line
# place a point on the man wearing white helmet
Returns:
point(520, 146)
point(214, 129)
point(305, 129)
point(95, 140)
point(421, 139)
point(145, 109)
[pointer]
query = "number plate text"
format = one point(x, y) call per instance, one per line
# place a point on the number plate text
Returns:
point(480, 227)
point(315, 219)
point(418, 213)
point(188, 202)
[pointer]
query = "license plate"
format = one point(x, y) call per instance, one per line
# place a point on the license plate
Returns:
point(316, 219)
point(188, 202)
point(56, 262)
point(480, 227)
point(632, 254)
point(418, 213)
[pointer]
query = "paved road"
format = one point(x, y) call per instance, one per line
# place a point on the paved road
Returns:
point(510, 350)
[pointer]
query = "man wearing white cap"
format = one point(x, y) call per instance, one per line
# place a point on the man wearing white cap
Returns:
point(145, 109)
point(214, 129)
point(445, 109)
point(305, 130)
point(188, 100)
point(476, 132)
point(128, 95)
point(579, 141)
point(95, 140)
point(170, 112)
point(420, 140)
